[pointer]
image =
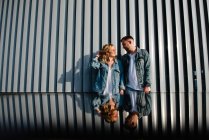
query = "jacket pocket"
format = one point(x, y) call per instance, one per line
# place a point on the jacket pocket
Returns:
point(141, 100)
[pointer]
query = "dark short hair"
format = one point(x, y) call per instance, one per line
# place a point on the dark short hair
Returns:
point(127, 37)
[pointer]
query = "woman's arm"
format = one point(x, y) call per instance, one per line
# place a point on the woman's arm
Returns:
point(95, 64)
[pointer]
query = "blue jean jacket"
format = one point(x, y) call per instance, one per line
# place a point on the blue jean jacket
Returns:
point(101, 79)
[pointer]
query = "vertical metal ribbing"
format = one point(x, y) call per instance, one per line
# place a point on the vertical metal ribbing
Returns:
point(46, 31)
point(25, 58)
point(23, 98)
point(18, 101)
point(11, 109)
point(137, 28)
point(60, 49)
point(171, 67)
point(142, 38)
point(82, 107)
point(104, 22)
point(203, 62)
point(206, 61)
point(114, 23)
point(10, 48)
point(157, 70)
point(4, 65)
point(73, 68)
point(91, 56)
point(1, 14)
point(180, 66)
point(49, 47)
point(1, 117)
point(123, 24)
point(19, 51)
point(153, 64)
point(64, 66)
point(162, 66)
point(189, 66)
point(31, 66)
point(78, 66)
point(167, 78)
point(15, 47)
point(87, 48)
point(198, 67)
point(57, 39)
point(2, 39)
point(132, 19)
point(12, 68)
point(48, 66)
point(52, 48)
point(28, 62)
point(69, 66)
point(41, 118)
point(206, 12)
point(52, 102)
point(59, 65)
point(4, 48)
point(109, 11)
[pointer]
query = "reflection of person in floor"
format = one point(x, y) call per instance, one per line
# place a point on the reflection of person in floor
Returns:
point(137, 97)
point(109, 83)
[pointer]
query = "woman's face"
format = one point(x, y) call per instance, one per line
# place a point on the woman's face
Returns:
point(114, 114)
point(112, 52)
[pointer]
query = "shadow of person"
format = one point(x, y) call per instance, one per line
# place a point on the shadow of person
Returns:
point(80, 78)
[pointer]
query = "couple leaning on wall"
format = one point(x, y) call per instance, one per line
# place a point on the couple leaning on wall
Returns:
point(122, 83)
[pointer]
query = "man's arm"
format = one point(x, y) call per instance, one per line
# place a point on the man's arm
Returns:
point(147, 80)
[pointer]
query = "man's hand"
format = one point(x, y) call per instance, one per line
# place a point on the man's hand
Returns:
point(147, 90)
point(121, 91)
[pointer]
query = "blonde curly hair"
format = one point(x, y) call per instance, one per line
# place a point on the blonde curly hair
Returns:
point(104, 53)
point(107, 112)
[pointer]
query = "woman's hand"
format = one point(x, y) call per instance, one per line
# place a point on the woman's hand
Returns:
point(98, 54)
point(121, 92)
point(98, 112)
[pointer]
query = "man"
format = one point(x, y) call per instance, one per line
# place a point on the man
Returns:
point(136, 64)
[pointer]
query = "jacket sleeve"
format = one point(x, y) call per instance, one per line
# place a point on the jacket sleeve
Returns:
point(96, 102)
point(121, 83)
point(95, 64)
point(147, 80)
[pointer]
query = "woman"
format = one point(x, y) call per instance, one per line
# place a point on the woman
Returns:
point(109, 83)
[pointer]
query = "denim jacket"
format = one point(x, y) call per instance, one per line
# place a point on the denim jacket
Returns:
point(142, 63)
point(101, 79)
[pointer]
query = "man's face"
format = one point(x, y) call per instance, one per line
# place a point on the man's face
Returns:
point(127, 44)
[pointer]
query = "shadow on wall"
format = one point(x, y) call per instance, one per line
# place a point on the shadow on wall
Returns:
point(80, 80)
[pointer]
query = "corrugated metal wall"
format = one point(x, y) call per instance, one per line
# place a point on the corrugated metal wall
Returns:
point(45, 47)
